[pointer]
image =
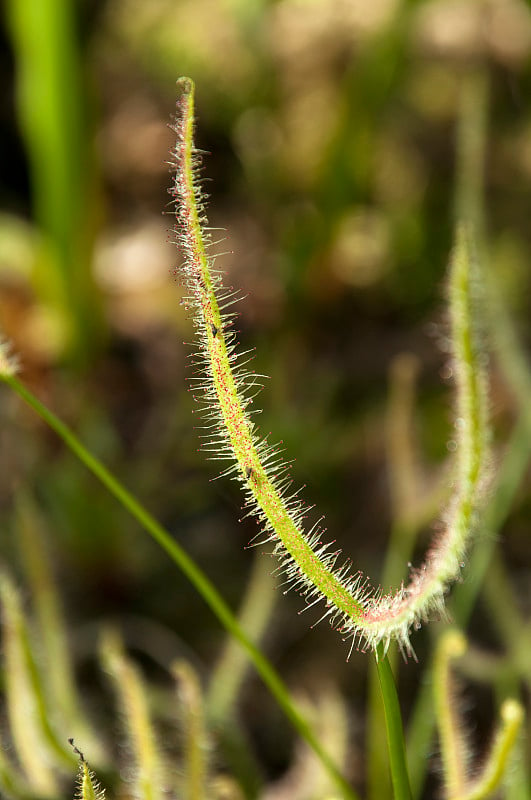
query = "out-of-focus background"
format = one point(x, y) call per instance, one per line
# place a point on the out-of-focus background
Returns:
point(331, 130)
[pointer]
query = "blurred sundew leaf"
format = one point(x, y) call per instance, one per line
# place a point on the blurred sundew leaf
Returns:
point(132, 693)
point(57, 666)
point(35, 742)
point(195, 761)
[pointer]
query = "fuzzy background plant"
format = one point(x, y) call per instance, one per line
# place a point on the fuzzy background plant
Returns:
point(344, 143)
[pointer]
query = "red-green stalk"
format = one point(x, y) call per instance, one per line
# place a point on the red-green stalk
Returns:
point(225, 389)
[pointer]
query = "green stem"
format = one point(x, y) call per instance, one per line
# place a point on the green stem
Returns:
point(394, 727)
point(195, 575)
point(404, 490)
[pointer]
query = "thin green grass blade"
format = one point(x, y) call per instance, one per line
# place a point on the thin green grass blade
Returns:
point(395, 730)
point(203, 585)
point(254, 617)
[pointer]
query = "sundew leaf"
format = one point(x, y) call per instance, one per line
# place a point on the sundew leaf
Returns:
point(35, 742)
point(195, 762)
point(88, 786)
point(455, 751)
point(146, 756)
point(12, 785)
point(225, 388)
point(55, 656)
